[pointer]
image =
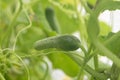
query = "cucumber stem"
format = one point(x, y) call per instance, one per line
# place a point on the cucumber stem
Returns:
point(96, 62)
point(106, 52)
point(100, 76)
point(25, 66)
point(83, 49)
point(46, 72)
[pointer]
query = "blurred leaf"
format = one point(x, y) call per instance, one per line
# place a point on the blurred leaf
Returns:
point(62, 61)
point(67, 1)
point(104, 28)
point(91, 3)
point(113, 43)
point(67, 23)
point(26, 39)
point(67, 17)
point(4, 3)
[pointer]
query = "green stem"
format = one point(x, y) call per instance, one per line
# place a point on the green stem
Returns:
point(106, 52)
point(83, 49)
point(86, 59)
point(80, 74)
point(66, 11)
point(93, 29)
point(2, 77)
point(82, 68)
point(119, 77)
point(115, 72)
point(25, 66)
point(90, 48)
point(100, 76)
point(92, 78)
point(27, 27)
point(10, 28)
point(46, 72)
point(76, 8)
point(113, 38)
point(17, 13)
point(96, 62)
point(85, 6)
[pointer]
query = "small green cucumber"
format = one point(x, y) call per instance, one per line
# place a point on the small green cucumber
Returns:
point(52, 20)
point(63, 42)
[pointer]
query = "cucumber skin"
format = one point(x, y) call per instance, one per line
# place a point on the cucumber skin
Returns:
point(63, 42)
point(50, 16)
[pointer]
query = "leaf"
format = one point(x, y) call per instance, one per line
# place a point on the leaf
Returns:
point(67, 23)
point(26, 39)
point(62, 61)
point(39, 18)
point(104, 28)
point(113, 43)
point(108, 5)
point(91, 3)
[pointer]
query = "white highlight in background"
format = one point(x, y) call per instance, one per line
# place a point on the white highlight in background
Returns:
point(112, 18)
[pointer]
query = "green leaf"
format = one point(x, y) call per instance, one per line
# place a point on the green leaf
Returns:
point(39, 18)
point(68, 24)
point(113, 43)
point(26, 39)
point(104, 29)
point(108, 5)
point(62, 61)
point(91, 3)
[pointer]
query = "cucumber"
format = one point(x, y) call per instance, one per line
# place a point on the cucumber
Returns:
point(52, 20)
point(63, 42)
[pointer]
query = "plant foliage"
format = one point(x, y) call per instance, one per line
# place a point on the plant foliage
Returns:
point(23, 22)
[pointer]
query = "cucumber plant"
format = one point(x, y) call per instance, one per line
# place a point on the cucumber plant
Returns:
point(30, 30)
